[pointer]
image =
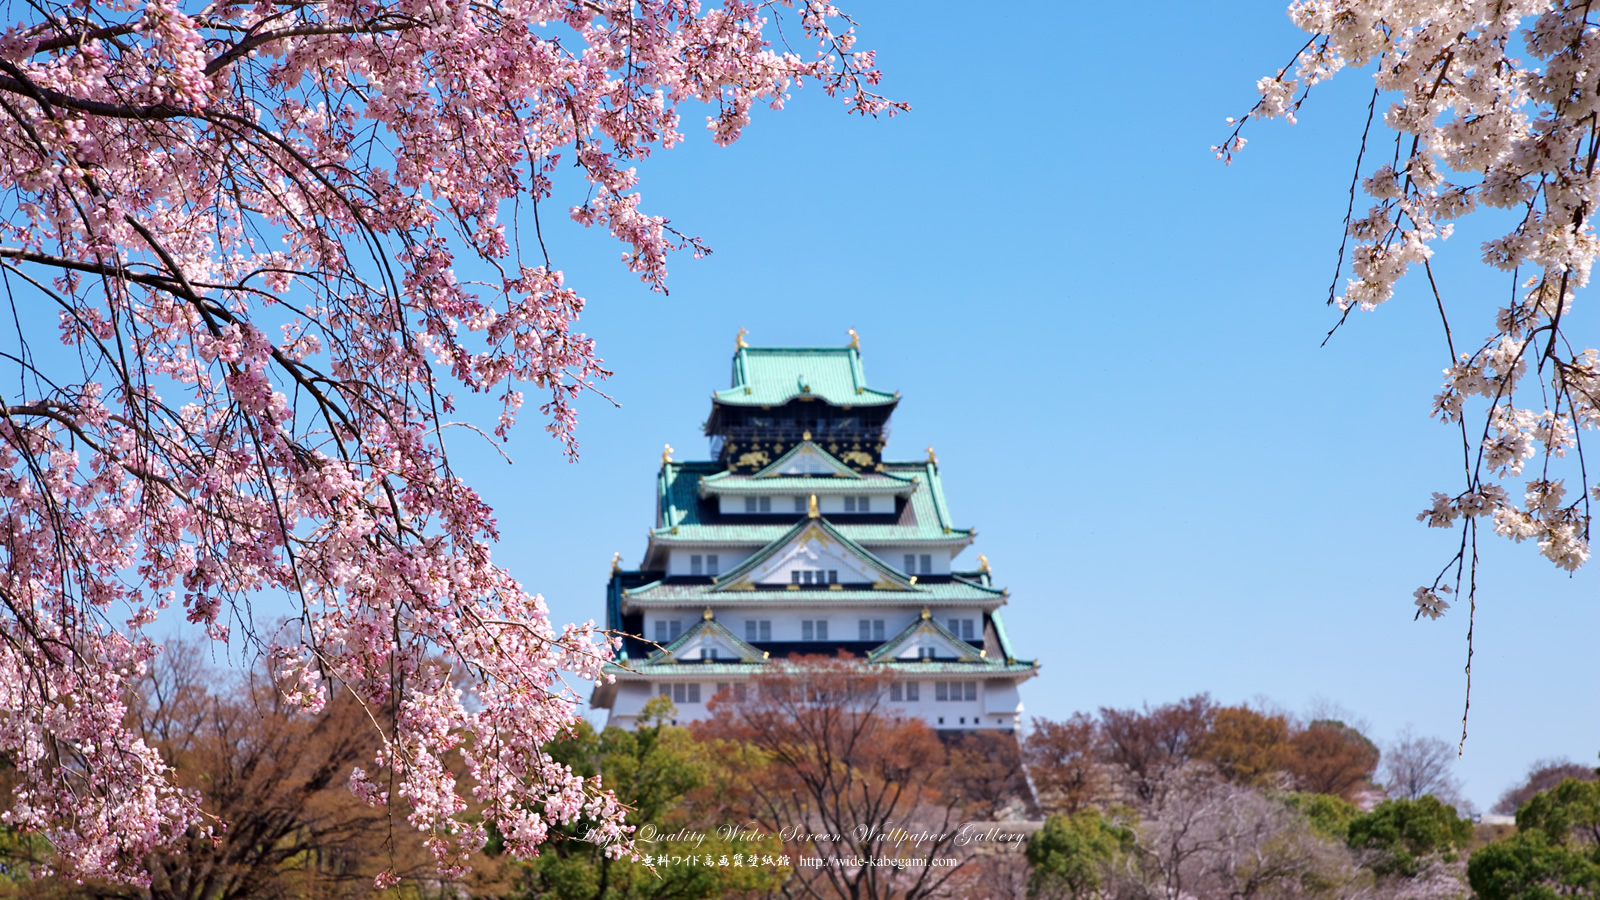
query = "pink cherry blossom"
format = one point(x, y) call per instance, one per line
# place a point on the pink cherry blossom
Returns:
point(250, 220)
point(1477, 106)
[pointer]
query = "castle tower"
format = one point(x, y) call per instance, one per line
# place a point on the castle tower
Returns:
point(801, 537)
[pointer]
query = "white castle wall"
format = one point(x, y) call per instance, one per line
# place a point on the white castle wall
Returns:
point(998, 705)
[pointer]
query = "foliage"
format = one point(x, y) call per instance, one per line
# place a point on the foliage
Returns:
point(248, 219)
point(275, 782)
point(1568, 812)
point(1398, 835)
point(1555, 852)
point(1328, 815)
point(1070, 854)
point(1143, 747)
point(1246, 746)
point(812, 752)
point(985, 773)
point(1330, 757)
point(1061, 760)
point(655, 771)
point(1542, 776)
point(1208, 784)
point(1209, 838)
point(1527, 866)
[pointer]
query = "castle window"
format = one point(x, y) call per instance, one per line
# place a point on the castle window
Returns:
point(927, 564)
point(695, 564)
point(871, 629)
point(864, 504)
point(911, 564)
point(849, 504)
point(955, 691)
point(758, 629)
point(765, 504)
point(711, 564)
point(961, 628)
point(799, 504)
point(749, 504)
point(895, 694)
point(684, 693)
point(814, 630)
point(912, 690)
point(668, 630)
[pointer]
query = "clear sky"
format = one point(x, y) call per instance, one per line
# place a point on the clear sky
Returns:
point(1112, 341)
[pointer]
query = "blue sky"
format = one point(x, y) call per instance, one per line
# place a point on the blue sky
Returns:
point(1112, 341)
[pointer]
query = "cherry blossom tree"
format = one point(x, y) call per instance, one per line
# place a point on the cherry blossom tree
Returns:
point(275, 237)
point(1487, 107)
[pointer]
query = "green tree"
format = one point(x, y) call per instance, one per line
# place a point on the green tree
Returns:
point(1070, 853)
point(1570, 812)
point(1328, 815)
point(656, 770)
point(1555, 852)
point(1399, 835)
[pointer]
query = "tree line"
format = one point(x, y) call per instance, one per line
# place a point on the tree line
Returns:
point(1184, 799)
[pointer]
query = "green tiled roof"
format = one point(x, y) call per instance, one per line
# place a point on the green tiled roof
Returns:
point(772, 376)
point(887, 650)
point(700, 594)
point(690, 669)
point(678, 498)
point(746, 652)
point(1000, 634)
point(891, 577)
point(684, 668)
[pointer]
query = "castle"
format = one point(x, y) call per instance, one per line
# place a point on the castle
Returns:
point(800, 537)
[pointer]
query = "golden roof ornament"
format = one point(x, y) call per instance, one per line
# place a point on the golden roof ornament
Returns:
point(806, 435)
point(931, 457)
point(707, 614)
point(983, 563)
point(666, 454)
point(926, 614)
point(811, 511)
point(855, 340)
point(740, 339)
point(616, 562)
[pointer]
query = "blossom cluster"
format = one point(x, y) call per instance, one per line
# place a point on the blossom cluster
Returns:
point(249, 217)
point(1491, 104)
